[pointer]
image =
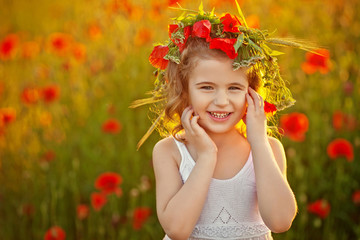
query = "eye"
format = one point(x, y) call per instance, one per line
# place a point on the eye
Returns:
point(206, 87)
point(235, 88)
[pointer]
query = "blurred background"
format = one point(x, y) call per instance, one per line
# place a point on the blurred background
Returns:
point(69, 166)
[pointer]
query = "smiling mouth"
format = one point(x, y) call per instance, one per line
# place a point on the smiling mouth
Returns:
point(219, 115)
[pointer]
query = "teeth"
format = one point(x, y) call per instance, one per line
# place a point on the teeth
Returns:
point(219, 115)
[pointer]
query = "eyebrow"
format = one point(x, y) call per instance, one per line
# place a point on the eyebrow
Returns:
point(231, 84)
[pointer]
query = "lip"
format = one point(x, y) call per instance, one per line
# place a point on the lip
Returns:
point(219, 119)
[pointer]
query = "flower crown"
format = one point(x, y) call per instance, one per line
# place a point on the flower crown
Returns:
point(248, 47)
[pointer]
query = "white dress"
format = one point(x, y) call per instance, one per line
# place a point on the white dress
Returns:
point(231, 208)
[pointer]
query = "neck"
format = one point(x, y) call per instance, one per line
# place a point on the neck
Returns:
point(225, 139)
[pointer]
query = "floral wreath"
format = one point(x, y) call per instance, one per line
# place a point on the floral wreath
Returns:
point(248, 47)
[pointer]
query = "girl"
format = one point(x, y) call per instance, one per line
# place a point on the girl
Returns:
point(219, 175)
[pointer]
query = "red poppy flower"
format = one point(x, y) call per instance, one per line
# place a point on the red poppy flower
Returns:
point(50, 93)
point(295, 125)
point(315, 62)
point(226, 45)
point(30, 95)
point(230, 23)
point(98, 201)
point(320, 208)
point(82, 211)
point(157, 57)
point(8, 46)
point(55, 233)
point(340, 148)
point(60, 43)
point(202, 29)
point(49, 156)
point(173, 2)
point(94, 31)
point(7, 116)
point(269, 108)
point(356, 197)
point(109, 183)
point(342, 121)
point(173, 28)
point(111, 126)
point(141, 214)
point(143, 36)
point(79, 52)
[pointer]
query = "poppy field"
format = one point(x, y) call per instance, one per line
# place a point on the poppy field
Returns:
point(69, 70)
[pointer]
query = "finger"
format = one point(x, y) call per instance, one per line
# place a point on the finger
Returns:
point(250, 102)
point(186, 118)
point(195, 125)
point(261, 103)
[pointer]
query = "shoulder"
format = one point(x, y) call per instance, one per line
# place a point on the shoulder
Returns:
point(279, 153)
point(166, 149)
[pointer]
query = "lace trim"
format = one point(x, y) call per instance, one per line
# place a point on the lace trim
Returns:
point(239, 231)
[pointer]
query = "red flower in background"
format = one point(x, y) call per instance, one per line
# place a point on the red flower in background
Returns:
point(230, 23)
point(8, 46)
point(295, 125)
point(111, 126)
point(55, 233)
point(320, 208)
point(269, 108)
point(157, 57)
point(30, 95)
point(109, 183)
point(49, 156)
point(7, 116)
point(317, 62)
point(141, 214)
point(98, 201)
point(202, 29)
point(60, 43)
point(94, 31)
point(143, 36)
point(173, 28)
point(79, 52)
point(341, 121)
point(82, 211)
point(50, 93)
point(173, 2)
point(226, 45)
point(340, 148)
point(356, 197)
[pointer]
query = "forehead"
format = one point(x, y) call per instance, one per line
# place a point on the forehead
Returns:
point(217, 70)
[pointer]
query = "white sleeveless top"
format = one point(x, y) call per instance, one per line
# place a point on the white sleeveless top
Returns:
point(231, 208)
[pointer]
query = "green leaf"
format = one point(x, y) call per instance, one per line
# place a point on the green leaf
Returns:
point(239, 42)
point(240, 13)
point(255, 46)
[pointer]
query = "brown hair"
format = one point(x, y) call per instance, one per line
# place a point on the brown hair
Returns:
point(177, 75)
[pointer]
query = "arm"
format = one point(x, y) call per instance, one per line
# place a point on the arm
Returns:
point(277, 204)
point(179, 205)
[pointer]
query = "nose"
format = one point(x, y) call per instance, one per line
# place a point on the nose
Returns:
point(221, 99)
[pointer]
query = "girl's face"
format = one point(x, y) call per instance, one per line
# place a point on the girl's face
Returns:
point(217, 94)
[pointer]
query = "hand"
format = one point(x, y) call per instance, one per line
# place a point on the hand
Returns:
point(255, 117)
point(195, 134)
